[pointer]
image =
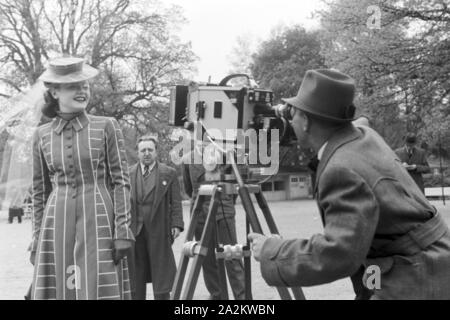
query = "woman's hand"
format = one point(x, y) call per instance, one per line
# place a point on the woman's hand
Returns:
point(175, 233)
point(120, 250)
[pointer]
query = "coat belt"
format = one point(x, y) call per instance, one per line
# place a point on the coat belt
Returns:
point(417, 239)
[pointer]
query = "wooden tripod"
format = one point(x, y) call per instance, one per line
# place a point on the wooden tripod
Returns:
point(198, 250)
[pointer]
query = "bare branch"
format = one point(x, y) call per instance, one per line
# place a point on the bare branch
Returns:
point(10, 83)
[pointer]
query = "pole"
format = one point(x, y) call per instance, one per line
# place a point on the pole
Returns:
point(440, 167)
point(71, 44)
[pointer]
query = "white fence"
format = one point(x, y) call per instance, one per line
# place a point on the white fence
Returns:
point(437, 192)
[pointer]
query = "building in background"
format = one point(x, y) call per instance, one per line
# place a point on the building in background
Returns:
point(293, 180)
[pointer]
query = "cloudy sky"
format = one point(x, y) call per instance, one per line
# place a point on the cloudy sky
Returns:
point(214, 25)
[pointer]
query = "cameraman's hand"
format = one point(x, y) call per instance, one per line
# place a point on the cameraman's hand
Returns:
point(257, 241)
point(32, 257)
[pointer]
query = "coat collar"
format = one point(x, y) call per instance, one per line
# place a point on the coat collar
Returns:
point(339, 138)
point(77, 123)
point(405, 150)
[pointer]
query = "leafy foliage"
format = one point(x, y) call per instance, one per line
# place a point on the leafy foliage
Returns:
point(401, 67)
point(132, 42)
point(281, 62)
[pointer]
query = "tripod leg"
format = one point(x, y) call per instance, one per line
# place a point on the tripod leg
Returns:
point(297, 291)
point(256, 227)
point(184, 260)
point(222, 276)
point(266, 212)
point(249, 209)
point(207, 236)
point(248, 267)
point(251, 214)
point(221, 264)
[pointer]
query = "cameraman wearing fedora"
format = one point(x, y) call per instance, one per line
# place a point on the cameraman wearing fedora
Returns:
point(372, 212)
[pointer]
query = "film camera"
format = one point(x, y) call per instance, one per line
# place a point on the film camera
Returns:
point(224, 111)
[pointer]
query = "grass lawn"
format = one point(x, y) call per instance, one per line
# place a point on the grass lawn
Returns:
point(294, 219)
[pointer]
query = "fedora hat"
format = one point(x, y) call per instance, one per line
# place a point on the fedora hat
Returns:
point(68, 70)
point(327, 94)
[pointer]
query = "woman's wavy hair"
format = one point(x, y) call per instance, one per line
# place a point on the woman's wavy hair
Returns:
point(51, 105)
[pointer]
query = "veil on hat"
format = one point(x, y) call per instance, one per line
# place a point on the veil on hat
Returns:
point(22, 116)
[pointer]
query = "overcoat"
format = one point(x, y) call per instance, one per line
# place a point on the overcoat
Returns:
point(165, 214)
point(419, 158)
point(81, 205)
point(373, 215)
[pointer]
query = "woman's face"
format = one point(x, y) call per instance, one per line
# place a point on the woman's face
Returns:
point(72, 97)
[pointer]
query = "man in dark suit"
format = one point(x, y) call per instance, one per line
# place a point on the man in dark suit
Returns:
point(414, 160)
point(193, 177)
point(376, 221)
point(156, 221)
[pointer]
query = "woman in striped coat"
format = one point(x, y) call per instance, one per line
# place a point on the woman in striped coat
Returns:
point(81, 204)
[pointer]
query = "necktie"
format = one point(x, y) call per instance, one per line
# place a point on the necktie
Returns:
point(146, 171)
point(313, 164)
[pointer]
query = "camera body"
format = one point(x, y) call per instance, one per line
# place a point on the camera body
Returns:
point(224, 112)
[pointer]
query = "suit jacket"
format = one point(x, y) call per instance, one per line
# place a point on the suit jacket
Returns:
point(193, 177)
point(418, 158)
point(164, 214)
point(366, 201)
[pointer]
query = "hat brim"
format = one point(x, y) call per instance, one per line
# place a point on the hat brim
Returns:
point(299, 104)
point(87, 73)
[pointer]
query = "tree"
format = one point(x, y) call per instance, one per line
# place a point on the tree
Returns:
point(281, 62)
point(400, 63)
point(240, 58)
point(132, 42)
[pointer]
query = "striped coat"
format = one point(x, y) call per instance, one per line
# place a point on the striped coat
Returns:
point(81, 205)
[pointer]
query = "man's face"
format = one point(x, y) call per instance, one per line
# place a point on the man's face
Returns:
point(299, 122)
point(147, 152)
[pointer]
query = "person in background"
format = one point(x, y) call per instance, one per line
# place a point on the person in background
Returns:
point(193, 177)
point(156, 221)
point(15, 211)
point(414, 159)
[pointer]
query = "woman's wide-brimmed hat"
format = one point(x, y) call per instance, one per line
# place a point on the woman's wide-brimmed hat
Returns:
point(327, 94)
point(68, 70)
